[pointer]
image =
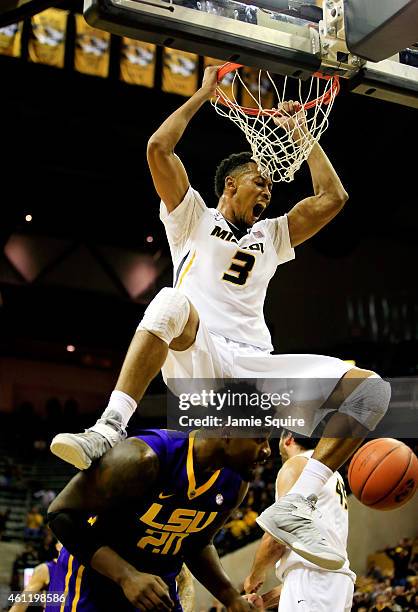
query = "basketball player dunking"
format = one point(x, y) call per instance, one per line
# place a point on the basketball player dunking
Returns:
point(305, 586)
point(211, 323)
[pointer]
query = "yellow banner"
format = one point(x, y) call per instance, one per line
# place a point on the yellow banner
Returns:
point(92, 49)
point(10, 40)
point(180, 72)
point(226, 83)
point(137, 62)
point(47, 37)
point(262, 89)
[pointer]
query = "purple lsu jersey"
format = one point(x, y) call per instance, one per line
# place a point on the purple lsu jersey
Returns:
point(155, 535)
point(51, 565)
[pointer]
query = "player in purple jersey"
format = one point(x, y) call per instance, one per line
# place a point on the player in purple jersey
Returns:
point(151, 503)
point(41, 580)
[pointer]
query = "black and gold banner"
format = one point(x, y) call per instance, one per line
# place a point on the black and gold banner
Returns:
point(92, 49)
point(261, 89)
point(137, 62)
point(10, 40)
point(180, 72)
point(47, 38)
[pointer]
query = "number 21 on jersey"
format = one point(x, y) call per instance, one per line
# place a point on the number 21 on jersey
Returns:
point(240, 268)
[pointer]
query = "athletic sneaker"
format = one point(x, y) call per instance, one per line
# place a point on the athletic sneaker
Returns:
point(82, 449)
point(290, 521)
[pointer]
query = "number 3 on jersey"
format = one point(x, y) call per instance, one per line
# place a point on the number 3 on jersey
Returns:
point(240, 268)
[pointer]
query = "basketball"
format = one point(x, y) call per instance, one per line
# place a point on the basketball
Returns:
point(383, 474)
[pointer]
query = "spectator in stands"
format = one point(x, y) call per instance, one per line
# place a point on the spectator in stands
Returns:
point(6, 477)
point(382, 603)
point(39, 580)
point(374, 595)
point(4, 482)
point(258, 482)
point(250, 500)
point(374, 572)
point(400, 555)
point(399, 597)
point(45, 497)
point(27, 558)
point(34, 523)
point(413, 566)
point(47, 549)
point(16, 477)
point(237, 525)
point(4, 517)
point(249, 517)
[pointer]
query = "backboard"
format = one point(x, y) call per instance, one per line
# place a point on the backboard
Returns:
point(225, 29)
point(287, 37)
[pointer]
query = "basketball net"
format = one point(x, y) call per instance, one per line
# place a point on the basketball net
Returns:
point(278, 152)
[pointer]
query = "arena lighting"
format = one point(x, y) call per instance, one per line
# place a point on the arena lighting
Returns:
point(28, 218)
point(150, 239)
point(70, 348)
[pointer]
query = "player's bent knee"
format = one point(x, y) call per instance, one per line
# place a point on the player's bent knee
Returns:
point(369, 401)
point(187, 338)
point(167, 315)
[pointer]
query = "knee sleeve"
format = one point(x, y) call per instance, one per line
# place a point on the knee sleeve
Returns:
point(369, 402)
point(167, 315)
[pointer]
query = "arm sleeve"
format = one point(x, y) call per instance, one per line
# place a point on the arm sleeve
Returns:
point(180, 223)
point(278, 229)
point(72, 529)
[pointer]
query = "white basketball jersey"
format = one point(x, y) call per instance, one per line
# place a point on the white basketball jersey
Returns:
point(332, 505)
point(224, 277)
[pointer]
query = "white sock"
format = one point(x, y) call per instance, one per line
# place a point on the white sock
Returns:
point(121, 403)
point(313, 478)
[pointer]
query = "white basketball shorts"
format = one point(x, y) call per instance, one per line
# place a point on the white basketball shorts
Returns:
point(307, 590)
point(213, 356)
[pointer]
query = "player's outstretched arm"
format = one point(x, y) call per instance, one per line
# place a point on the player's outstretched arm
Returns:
point(168, 173)
point(311, 214)
point(267, 555)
